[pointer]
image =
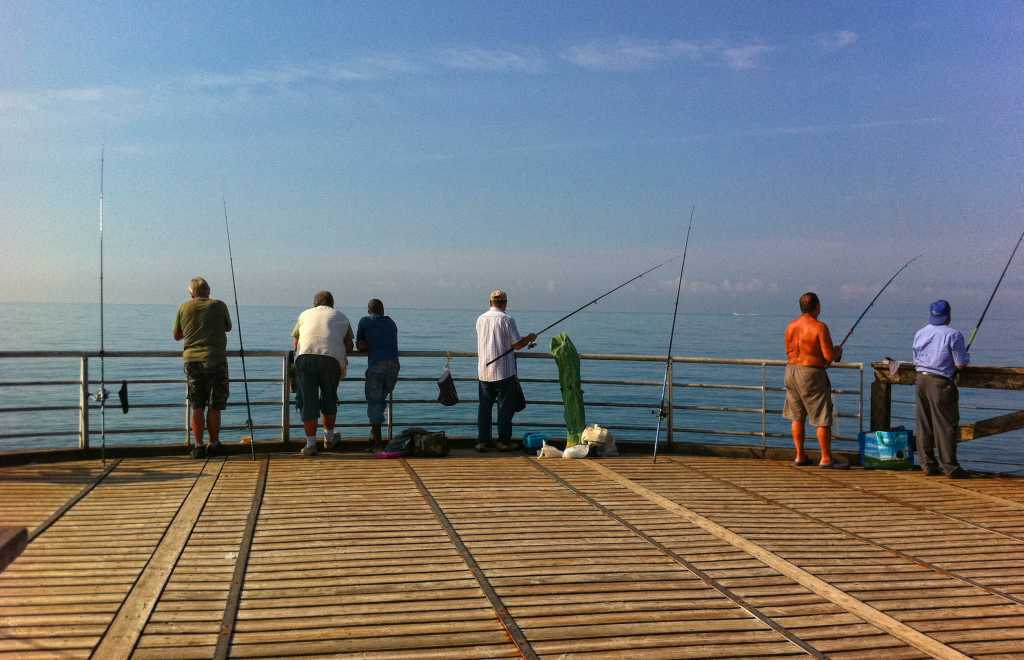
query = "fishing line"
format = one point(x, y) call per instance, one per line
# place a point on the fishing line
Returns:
point(671, 337)
point(241, 344)
point(974, 332)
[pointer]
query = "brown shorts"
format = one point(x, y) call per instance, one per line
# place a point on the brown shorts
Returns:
point(808, 395)
point(207, 385)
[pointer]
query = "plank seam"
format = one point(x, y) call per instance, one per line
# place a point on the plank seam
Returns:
point(122, 634)
point(227, 628)
point(877, 618)
point(703, 576)
point(863, 539)
point(512, 628)
point(75, 499)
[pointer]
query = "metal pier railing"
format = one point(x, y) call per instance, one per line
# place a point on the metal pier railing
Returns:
point(748, 403)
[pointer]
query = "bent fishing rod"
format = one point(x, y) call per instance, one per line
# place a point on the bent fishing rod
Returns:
point(583, 307)
point(241, 344)
point(671, 337)
point(974, 333)
point(875, 299)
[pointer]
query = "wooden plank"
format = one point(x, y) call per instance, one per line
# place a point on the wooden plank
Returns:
point(866, 612)
point(992, 426)
point(507, 621)
point(741, 602)
point(124, 631)
point(75, 499)
point(227, 627)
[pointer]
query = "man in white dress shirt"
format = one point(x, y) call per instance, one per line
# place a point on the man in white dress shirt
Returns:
point(496, 333)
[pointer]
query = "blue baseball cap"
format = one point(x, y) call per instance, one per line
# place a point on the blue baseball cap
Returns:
point(939, 312)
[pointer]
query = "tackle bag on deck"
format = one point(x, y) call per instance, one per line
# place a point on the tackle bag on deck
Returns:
point(446, 394)
point(887, 450)
point(416, 441)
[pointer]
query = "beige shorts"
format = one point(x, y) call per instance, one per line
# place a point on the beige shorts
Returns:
point(808, 395)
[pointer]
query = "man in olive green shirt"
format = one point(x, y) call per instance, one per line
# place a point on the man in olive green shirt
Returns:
point(203, 324)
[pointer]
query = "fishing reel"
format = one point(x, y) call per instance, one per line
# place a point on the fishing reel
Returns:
point(101, 395)
point(662, 411)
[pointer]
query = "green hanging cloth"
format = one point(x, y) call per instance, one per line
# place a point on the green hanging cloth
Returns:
point(568, 361)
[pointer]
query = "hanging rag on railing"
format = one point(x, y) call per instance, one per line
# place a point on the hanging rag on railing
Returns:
point(446, 394)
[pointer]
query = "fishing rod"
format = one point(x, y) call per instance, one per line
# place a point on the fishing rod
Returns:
point(974, 332)
point(101, 395)
point(877, 295)
point(583, 307)
point(671, 337)
point(241, 345)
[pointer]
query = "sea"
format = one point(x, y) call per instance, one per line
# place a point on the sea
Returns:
point(160, 405)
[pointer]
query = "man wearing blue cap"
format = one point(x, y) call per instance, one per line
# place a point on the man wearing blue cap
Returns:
point(939, 353)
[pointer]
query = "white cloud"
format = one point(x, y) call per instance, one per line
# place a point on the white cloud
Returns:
point(833, 41)
point(747, 57)
point(494, 61)
point(630, 54)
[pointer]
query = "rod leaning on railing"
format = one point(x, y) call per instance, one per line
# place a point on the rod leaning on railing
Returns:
point(284, 401)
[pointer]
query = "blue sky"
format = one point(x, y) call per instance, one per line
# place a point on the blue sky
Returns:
point(426, 153)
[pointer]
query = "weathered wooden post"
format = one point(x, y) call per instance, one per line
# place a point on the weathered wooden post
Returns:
point(881, 404)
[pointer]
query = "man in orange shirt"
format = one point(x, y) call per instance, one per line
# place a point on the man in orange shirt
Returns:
point(809, 351)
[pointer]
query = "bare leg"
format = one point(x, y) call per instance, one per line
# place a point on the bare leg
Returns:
point(824, 434)
point(329, 424)
point(198, 424)
point(798, 441)
point(213, 425)
point(309, 426)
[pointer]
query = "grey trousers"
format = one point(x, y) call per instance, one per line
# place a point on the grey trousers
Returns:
point(938, 422)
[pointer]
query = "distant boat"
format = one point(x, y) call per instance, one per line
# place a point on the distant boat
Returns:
point(739, 314)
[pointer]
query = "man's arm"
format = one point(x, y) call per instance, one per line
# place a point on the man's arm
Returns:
point(832, 353)
point(361, 342)
point(524, 341)
point(227, 317)
point(176, 331)
point(348, 339)
point(960, 356)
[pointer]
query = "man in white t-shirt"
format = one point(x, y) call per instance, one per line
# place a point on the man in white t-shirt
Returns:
point(496, 333)
point(323, 340)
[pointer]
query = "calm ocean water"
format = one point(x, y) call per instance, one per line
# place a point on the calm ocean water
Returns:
point(148, 327)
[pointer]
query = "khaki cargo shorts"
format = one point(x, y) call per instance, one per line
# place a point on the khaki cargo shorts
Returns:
point(808, 395)
point(207, 385)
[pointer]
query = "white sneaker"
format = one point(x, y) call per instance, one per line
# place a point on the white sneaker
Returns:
point(334, 442)
point(309, 450)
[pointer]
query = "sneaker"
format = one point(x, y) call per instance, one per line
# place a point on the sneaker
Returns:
point(198, 451)
point(213, 449)
point(506, 446)
point(308, 450)
point(482, 448)
point(334, 442)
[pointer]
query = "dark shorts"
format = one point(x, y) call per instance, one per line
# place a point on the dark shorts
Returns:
point(318, 377)
point(207, 385)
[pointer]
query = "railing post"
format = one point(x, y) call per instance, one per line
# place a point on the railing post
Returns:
point(668, 401)
point(881, 405)
point(860, 415)
point(286, 400)
point(764, 404)
point(391, 417)
point(83, 403)
point(188, 419)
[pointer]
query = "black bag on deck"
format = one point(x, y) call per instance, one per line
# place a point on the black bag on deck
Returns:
point(416, 441)
point(446, 394)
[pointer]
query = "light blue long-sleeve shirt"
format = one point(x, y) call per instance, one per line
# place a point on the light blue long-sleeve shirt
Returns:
point(938, 349)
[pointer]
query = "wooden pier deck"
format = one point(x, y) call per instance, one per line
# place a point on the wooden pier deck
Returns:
point(489, 557)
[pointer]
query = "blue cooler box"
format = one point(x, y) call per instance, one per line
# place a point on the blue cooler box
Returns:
point(887, 450)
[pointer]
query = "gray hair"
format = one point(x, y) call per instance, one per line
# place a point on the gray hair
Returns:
point(198, 287)
point(323, 298)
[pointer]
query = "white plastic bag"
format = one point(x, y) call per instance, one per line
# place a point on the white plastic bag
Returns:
point(576, 451)
point(600, 439)
point(547, 451)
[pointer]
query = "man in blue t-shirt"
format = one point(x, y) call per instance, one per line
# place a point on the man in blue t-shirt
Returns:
point(938, 354)
point(378, 336)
